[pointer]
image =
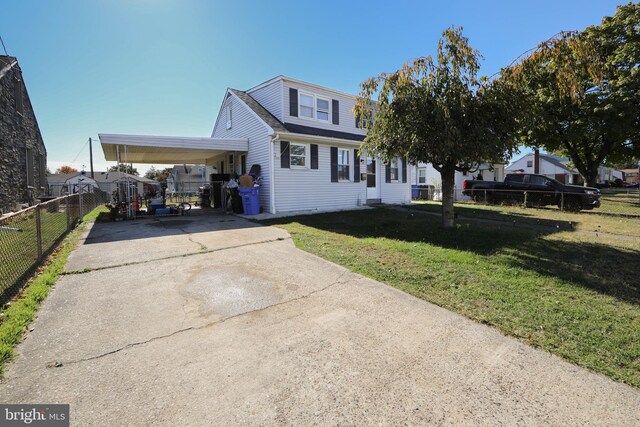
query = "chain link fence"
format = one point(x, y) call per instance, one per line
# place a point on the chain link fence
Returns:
point(612, 201)
point(27, 237)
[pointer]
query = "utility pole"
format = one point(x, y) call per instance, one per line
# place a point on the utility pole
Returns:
point(91, 157)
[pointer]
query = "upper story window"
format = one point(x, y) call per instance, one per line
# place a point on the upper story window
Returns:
point(298, 155)
point(229, 114)
point(322, 112)
point(529, 163)
point(343, 164)
point(314, 107)
point(306, 106)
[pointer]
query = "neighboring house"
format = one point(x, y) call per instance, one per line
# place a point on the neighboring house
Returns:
point(426, 174)
point(23, 156)
point(552, 166)
point(560, 168)
point(630, 176)
point(187, 179)
point(61, 184)
point(303, 136)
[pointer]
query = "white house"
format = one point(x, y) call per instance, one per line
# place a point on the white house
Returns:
point(70, 183)
point(559, 168)
point(303, 136)
point(426, 174)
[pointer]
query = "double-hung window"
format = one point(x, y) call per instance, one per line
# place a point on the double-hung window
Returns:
point(394, 169)
point(306, 106)
point(298, 156)
point(313, 107)
point(322, 112)
point(343, 164)
point(422, 176)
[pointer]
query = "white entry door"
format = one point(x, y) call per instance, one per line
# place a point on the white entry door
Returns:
point(373, 178)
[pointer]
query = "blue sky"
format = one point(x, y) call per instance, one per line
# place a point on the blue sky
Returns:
point(161, 66)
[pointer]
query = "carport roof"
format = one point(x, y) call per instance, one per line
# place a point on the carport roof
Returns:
point(167, 149)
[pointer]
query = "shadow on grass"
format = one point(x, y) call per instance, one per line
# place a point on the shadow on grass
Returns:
point(605, 269)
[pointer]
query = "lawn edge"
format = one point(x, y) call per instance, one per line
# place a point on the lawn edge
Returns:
point(22, 309)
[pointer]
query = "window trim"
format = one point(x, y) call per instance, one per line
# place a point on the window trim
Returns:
point(314, 114)
point(348, 164)
point(328, 110)
point(424, 170)
point(529, 163)
point(397, 168)
point(306, 156)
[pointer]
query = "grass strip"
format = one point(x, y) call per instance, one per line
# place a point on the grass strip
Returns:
point(17, 315)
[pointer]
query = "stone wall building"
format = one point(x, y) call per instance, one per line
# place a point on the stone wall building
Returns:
point(23, 156)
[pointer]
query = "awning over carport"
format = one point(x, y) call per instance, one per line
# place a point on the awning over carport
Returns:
point(166, 149)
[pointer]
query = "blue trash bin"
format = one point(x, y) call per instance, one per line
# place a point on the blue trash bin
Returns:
point(415, 191)
point(250, 200)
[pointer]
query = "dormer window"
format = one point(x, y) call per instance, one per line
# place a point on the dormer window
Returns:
point(322, 112)
point(313, 107)
point(306, 106)
point(229, 115)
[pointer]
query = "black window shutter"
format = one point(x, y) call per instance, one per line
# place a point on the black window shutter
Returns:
point(314, 156)
point(335, 111)
point(404, 169)
point(293, 102)
point(358, 120)
point(284, 154)
point(356, 163)
point(334, 164)
point(387, 172)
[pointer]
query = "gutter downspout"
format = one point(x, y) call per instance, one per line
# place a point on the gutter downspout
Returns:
point(272, 185)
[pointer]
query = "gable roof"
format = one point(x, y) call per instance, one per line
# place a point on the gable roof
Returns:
point(557, 161)
point(262, 112)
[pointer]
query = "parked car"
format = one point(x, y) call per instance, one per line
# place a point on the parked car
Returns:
point(535, 190)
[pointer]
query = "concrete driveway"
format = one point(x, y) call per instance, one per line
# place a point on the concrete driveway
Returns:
point(213, 320)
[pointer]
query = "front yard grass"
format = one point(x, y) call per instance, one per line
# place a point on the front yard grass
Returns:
point(595, 221)
point(574, 295)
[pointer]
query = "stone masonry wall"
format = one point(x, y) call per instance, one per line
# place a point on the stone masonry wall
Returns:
point(19, 133)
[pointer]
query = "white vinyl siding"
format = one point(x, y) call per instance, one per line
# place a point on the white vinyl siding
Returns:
point(247, 125)
point(345, 113)
point(312, 189)
point(270, 97)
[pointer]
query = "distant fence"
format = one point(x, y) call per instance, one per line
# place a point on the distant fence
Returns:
point(613, 201)
point(28, 236)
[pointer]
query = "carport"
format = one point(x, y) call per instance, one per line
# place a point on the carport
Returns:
point(130, 149)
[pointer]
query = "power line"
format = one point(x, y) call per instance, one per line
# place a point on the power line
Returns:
point(3, 46)
point(80, 152)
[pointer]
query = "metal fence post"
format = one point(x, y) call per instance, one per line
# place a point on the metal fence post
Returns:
point(525, 199)
point(562, 201)
point(68, 213)
point(39, 230)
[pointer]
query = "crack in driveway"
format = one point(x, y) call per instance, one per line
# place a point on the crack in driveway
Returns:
point(337, 281)
point(201, 252)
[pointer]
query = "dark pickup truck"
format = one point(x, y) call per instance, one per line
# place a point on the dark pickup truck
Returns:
point(534, 190)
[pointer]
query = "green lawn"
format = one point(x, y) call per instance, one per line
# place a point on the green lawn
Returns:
point(574, 295)
point(595, 220)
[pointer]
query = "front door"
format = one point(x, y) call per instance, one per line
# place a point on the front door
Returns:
point(373, 189)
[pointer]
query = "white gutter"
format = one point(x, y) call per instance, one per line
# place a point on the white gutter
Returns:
point(320, 139)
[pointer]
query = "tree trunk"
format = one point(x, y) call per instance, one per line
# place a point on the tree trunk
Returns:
point(590, 176)
point(448, 181)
